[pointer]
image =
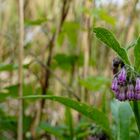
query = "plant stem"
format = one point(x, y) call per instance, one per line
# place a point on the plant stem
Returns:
point(137, 115)
point(20, 70)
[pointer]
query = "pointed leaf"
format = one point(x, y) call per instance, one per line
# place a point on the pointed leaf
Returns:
point(108, 38)
point(89, 111)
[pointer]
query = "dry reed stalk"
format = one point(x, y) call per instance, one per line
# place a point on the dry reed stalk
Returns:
point(20, 70)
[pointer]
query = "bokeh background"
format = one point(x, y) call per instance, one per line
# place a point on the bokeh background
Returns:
point(62, 57)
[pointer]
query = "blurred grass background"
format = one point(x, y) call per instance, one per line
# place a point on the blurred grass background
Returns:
point(62, 57)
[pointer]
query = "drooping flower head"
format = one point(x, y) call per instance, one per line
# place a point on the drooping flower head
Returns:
point(126, 81)
point(122, 76)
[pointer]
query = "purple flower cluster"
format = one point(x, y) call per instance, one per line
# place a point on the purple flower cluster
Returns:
point(124, 89)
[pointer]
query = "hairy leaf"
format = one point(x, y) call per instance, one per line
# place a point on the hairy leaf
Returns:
point(108, 38)
point(122, 114)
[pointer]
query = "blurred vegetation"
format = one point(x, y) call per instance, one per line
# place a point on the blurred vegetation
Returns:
point(64, 60)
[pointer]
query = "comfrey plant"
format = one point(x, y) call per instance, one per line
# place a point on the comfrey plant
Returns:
point(126, 82)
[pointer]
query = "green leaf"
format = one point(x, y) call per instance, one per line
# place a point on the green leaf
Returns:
point(93, 113)
point(35, 22)
point(107, 18)
point(10, 67)
point(69, 121)
point(137, 55)
point(131, 45)
point(55, 130)
point(7, 122)
point(108, 38)
point(12, 91)
point(64, 61)
point(70, 29)
point(122, 114)
point(95, 83)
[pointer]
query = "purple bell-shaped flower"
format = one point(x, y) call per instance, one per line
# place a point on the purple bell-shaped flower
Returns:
point(130, 92)
point(121, 94)
point(137, 89)
point(137, 86)
point(137, 96)
point(117, 93)
point(122, 76)
point(114, 86)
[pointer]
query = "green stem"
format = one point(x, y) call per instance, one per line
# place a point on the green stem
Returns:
point(137, 115)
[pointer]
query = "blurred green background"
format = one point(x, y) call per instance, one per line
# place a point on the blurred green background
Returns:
point(62, 57)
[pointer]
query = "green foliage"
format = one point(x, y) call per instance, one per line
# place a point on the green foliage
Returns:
point(131, 45)
point(89, 111)
point(35, 22)
point(95, 83)
point(12, 91)
point(7, 122)
point(108, 38)
point(70, 31)
point(104, 15)
point(64, 61)
point(122, 112)
point(57, 131)
point(69, 121)
point(101, 14)
point(82, 128)
point(122, 115)
point(10, 67)
point(137, 55)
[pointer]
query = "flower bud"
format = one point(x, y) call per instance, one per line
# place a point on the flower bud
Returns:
point(121, 97)
point(122, 76)
point(121, 94)
point(137, 96)
point(130, 92)
point(137, 86)
point(137, 89)
point(115, 84)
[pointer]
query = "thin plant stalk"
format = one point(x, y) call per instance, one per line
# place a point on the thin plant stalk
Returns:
point(20, 70)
